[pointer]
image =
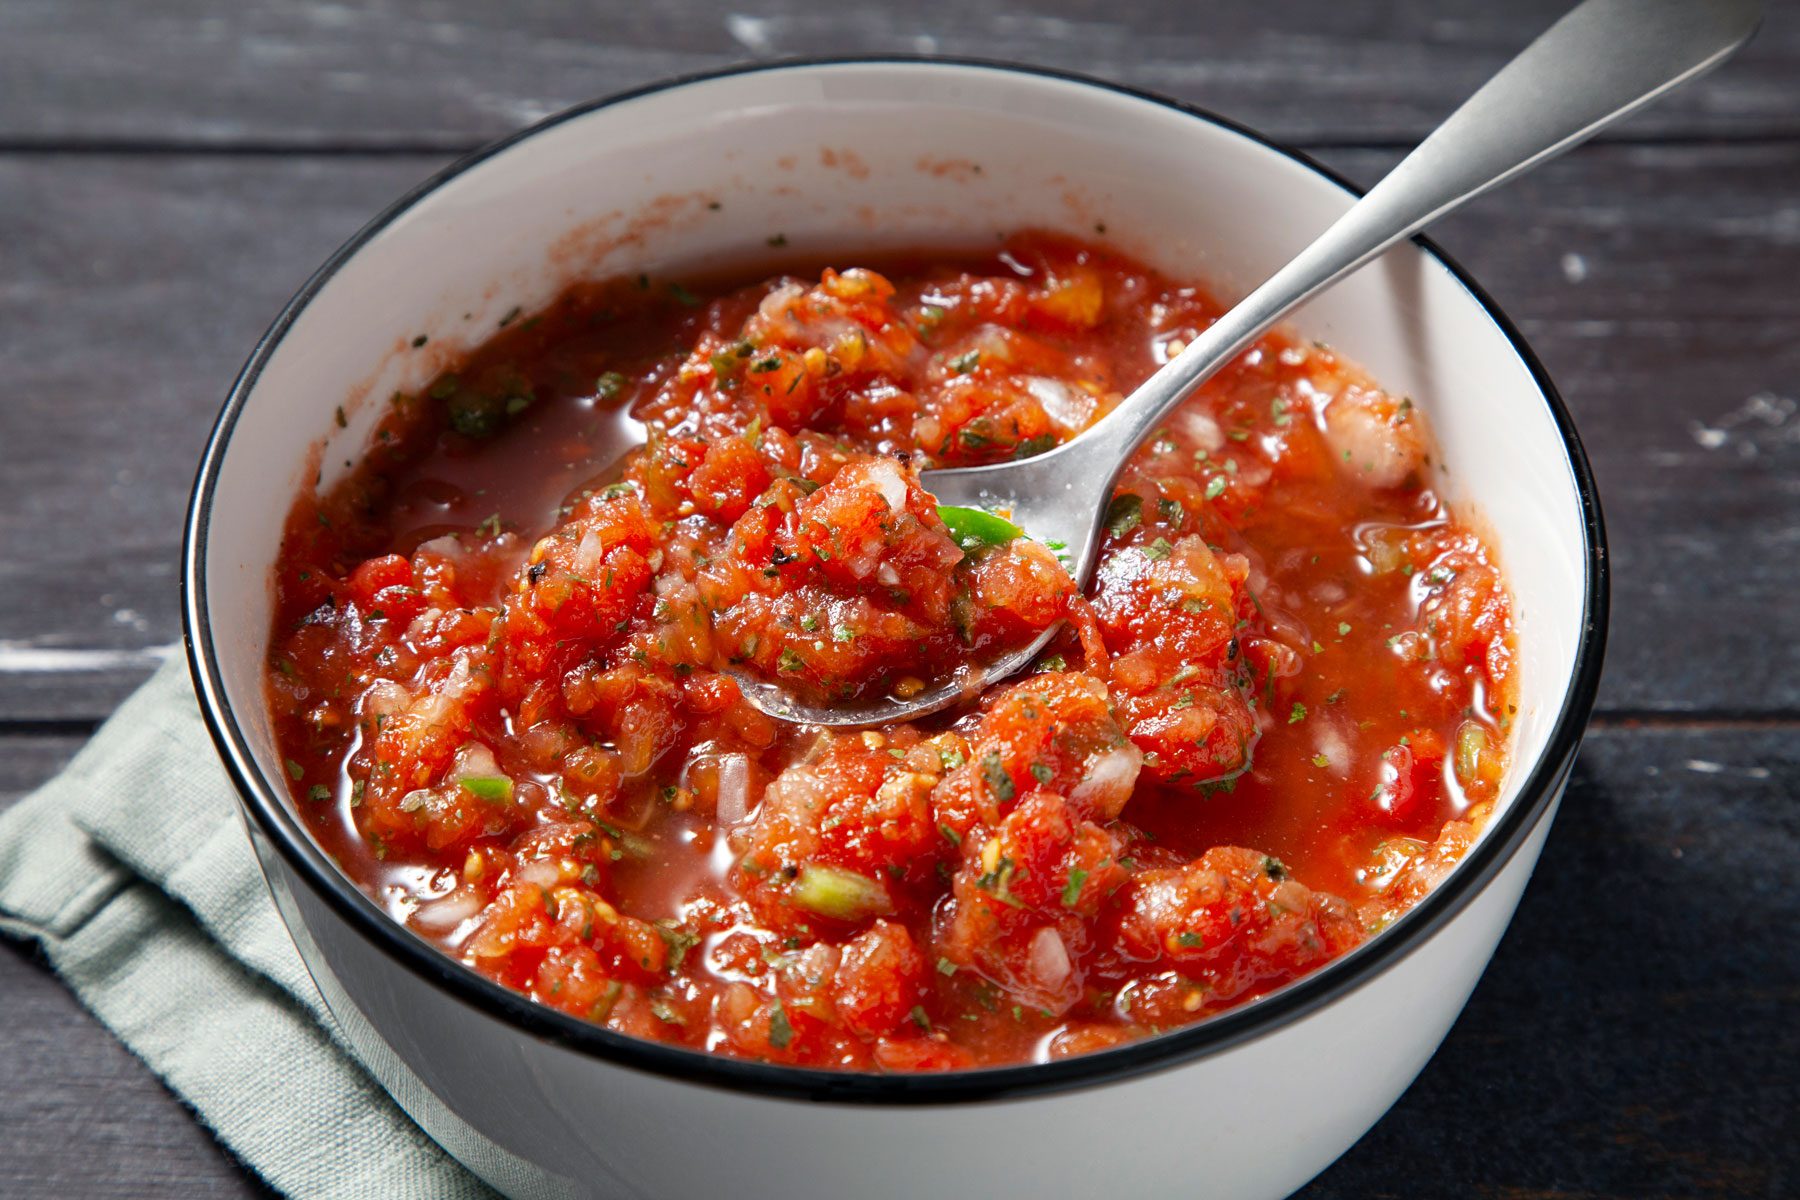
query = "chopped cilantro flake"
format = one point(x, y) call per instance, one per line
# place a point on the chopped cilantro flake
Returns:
point(781, 1031)
point(1124, 513)
point(1071, 895)
point(998, 781)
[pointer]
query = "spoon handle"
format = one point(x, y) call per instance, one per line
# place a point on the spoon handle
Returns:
point(1601, 62)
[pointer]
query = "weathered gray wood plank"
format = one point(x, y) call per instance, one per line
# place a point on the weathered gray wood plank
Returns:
point(1633, 1037)
point(1657, 285)
point(455, 72)
point(1634, 1034)
point(136, 288)
point(29, 759)
point(1656, 282)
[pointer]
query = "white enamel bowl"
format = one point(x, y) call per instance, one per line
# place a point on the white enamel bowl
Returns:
point(848, 158)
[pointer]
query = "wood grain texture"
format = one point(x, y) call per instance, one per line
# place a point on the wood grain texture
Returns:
point(1632, 1038)
point(1655, 281)
point(451, 73)
point(26, 760)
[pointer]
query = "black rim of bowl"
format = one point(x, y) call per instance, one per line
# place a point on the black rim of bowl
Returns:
point(269, 804)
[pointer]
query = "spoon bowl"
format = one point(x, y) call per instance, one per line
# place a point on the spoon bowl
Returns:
point(1051, 496)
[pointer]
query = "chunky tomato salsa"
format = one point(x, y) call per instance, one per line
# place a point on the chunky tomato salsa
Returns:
point(504, 665)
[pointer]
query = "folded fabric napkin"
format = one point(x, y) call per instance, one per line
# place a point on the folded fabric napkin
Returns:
point(133, 872)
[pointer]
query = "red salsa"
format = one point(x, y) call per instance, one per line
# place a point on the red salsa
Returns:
point(501, 668)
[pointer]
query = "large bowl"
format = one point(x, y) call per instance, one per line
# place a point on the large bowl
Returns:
point(852, 157)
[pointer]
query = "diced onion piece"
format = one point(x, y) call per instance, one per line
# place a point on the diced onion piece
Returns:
point(541, 872)
point(1066, 411)
point(587, 553)
point(1050, 960)
point(1200, 428)
point(885, 475)
point(1332, 747)
point(1374, 437)
point(433, 707)
point(734, 788)
point(839, 894)
point(441, 916)
point(422, 624)
point(385, 698)
point(1385, 549)
point(472, 759)
point(774, 305)
point(1109, 781)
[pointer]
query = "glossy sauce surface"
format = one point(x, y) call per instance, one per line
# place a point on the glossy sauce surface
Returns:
point(1275, 719)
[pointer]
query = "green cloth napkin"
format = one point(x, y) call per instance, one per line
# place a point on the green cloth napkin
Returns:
point(133, 872)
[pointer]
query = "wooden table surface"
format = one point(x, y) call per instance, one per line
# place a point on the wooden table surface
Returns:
point(170, 172)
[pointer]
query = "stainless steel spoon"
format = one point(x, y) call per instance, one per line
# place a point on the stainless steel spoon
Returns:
point(1601, 62)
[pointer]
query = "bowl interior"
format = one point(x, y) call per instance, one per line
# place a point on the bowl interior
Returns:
point(858, 157)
